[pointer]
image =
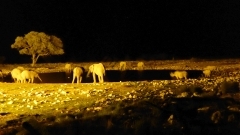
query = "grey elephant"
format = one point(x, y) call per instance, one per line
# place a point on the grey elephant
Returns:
point(68, 68)
point(97, 69)
point(16, 75)
point(140, 65)
point(30, 75)
point(179, 74)
point(77, 74)
point(122, 65)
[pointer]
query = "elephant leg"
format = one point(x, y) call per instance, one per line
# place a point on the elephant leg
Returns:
point(102, 79)
point(94, 78)
point(73, 79)
point(99, 78)
point(18, 80)
point(77, 79)
point(80, 79)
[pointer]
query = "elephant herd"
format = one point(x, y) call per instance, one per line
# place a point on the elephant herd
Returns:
point(96, 69)
point(123, 65)
point(99, 70)
point(183, 74)
point(20, 75)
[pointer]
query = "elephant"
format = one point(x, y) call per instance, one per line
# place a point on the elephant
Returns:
point(140, 65)
point(207, 73)
point(179, 74)
point(16, 75)
point(97, 69)
point(68, 68)
point(30, 75)
point(123, 65)
point(77, 73)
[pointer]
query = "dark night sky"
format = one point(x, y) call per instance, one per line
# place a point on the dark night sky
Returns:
point(92, 30)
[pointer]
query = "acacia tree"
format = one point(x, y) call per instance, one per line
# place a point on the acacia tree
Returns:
point(38, 44)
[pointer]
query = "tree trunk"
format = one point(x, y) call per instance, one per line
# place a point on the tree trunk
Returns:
point(33, 60)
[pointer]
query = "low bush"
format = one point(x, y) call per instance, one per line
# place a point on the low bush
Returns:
point(189, 89)
point(182, 89)
point(196, 89)
point(229, 87)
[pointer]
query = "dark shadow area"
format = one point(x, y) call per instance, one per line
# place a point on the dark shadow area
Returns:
point(144, 117)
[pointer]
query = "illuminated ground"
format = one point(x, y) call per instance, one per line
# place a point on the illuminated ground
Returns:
point(21, 101)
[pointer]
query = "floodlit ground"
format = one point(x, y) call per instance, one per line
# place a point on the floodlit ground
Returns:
point(121, 103)
point(21, 101)
point(31, 99)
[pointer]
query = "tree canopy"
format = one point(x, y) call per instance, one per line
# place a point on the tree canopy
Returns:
point(38, 44)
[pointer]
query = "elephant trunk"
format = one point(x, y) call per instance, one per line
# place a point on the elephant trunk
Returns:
point(39, 78)
point(88, 73)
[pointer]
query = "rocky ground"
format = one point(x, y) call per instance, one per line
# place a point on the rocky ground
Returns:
point(179, 106)
point(113, 108)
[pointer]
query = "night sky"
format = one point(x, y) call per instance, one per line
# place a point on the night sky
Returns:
point(125, 30)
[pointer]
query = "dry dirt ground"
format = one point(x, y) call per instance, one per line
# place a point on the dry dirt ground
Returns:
point(19, 102)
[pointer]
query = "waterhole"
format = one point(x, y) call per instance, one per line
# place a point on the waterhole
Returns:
point(111, 76)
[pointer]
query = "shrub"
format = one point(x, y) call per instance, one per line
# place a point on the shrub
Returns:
point(189, 89)
point(182, 88)
point(229, 87)
point(195, 89)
